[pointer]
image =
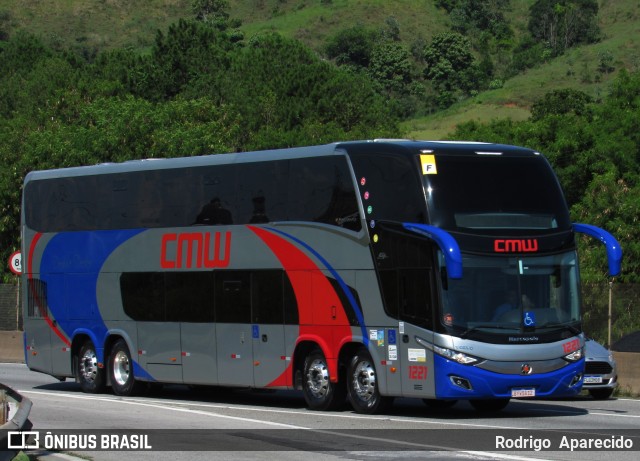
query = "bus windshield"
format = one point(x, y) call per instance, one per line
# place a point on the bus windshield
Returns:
point(498, 296)
point(490, 194)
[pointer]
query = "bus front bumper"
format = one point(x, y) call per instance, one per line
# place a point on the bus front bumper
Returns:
point(456, 381)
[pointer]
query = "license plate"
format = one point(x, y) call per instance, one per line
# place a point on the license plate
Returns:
point(528, 392)
point(593, 379)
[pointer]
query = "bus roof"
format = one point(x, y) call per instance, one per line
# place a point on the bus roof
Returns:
point(337, 148)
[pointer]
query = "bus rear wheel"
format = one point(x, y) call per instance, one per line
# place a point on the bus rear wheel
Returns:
point(120, 368)
point(319, 392)
point(88, 372)
point(364, 394)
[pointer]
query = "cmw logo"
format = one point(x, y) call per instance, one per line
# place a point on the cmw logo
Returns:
point(515, 246)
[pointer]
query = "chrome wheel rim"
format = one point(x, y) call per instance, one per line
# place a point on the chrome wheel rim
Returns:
point(364, 381)
point(89, 365)
point(121, 368)
point(318, 378)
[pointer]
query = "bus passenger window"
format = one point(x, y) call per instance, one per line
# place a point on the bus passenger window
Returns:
point(233, 297)
point(267, 297)
point(189, 296)
point(143, 295)
point(321, 190)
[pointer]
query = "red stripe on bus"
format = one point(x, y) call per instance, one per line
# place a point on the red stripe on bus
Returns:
point(315, 297)
point(39, 303)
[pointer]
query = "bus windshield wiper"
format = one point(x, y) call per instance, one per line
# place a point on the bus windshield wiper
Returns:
point(468, 331)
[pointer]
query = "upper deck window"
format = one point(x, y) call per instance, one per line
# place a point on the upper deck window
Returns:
point(389, 186)
point(316, 189)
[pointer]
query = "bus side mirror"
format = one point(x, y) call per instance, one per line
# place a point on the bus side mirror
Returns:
point(614, 251)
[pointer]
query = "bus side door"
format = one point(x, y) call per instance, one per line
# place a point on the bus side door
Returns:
point(234, 343)
point(416, 318)
point(267, 316)
point(199, 361)
point(191, 297)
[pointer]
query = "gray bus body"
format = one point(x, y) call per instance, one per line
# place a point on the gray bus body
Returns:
point(361, 269)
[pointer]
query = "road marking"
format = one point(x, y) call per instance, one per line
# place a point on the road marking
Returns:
point(163, 407)
point(420, 447)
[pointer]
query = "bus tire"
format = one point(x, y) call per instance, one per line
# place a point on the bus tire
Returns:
point(363, 389)
point(489, 405)
point(88, 373)
point(120, 368)
point(319, 392)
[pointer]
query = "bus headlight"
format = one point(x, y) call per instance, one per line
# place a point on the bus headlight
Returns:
point(459, 357)
point(575, 355)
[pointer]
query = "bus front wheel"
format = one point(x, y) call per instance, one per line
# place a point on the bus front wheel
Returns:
point(120, 368)
point(88, 374)
point(364, 394)
point(319, 392)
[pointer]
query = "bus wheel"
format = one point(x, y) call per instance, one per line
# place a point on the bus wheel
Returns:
point(121, 370)
point(489, 405)
point(363, 385)
point(319, 392)
point(88, 374)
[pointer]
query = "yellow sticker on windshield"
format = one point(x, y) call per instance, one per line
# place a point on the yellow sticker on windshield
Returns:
point(428, 164)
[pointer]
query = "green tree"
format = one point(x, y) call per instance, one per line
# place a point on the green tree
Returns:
point(527, 53)
point(564, 23)
point(352, 46)
point(473, 16)
point(279, 84)
point(5, 25)
point(391, 66)
point(561, 102)
point(450, 65)
point(210, 10)
point(391, 29)
point(189, 51)
point(613, 204)
point(215, 13)
point(19, 57)
point(625, 91)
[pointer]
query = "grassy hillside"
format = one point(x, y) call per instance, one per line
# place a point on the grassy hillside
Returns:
point(577, 68)
point(93, 25)
point(313, 20)
point(116, 23)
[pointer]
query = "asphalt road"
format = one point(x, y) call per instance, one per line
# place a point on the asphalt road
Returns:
point(244, 424)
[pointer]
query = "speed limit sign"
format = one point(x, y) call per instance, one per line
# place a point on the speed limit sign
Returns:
point(15, 262)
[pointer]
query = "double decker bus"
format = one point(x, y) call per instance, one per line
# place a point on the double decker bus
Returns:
point(356, 270)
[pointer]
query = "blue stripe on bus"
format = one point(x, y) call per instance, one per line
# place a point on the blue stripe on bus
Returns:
point(334, 273)
point(80, 255)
